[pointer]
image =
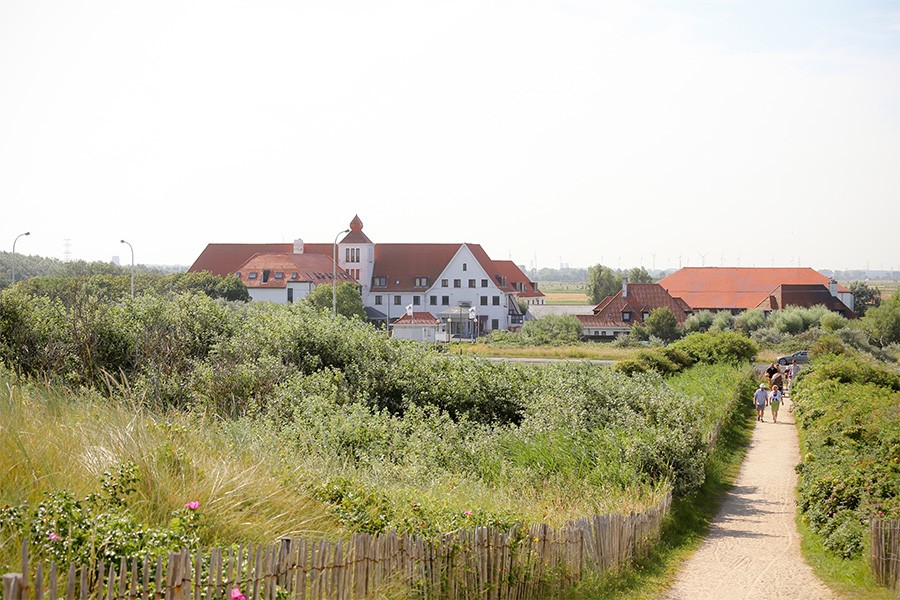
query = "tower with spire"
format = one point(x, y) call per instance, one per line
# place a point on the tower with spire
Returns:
point(356, 255)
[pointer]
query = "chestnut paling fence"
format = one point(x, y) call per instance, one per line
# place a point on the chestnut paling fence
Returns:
point(885, 548)
point(534, 562)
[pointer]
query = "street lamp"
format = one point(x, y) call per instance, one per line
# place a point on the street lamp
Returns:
point(334, 275)
point(132, 267)
point(14, 255)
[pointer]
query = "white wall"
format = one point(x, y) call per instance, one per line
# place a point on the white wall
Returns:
point(415, 332)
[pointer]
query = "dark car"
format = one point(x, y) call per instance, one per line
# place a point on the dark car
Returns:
point(801, 357)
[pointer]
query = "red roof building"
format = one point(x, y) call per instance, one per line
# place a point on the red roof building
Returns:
point(741, 288)
point(615, 315)
point(447, 280)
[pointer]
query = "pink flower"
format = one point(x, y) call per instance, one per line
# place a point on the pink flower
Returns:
point(237, 595)
point(193, 506)
point(468, 513)
point(53, 537)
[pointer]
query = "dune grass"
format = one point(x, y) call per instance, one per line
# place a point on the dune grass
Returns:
point(585, 351)
point(52, 439)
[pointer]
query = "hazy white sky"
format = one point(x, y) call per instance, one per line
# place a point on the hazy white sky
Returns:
point(721, 132)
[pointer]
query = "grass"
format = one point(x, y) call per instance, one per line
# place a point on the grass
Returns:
point(585, 351)
point(52, 438)
point(685, 529)
point(852, 578)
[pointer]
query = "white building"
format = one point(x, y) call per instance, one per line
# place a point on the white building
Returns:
point(458, 284)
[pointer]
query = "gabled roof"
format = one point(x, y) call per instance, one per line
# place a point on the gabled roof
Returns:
point(514, 275)
point(401, 264)
point(417, 318)
point(641, 298)
point(225, 259)
point(295, 268)
point(805, 295)
point(741, 288)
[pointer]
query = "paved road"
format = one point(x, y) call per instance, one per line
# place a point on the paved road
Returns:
point(753, 548)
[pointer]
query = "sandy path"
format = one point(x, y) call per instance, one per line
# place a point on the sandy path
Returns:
point(753, 548)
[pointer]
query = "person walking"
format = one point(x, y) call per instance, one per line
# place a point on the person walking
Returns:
point(771, 371)
point(760, 399)
point(775, 402)
point(777, 380)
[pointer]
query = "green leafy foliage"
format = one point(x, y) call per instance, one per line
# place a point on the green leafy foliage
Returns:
point(345, 298)
point(552, 329)
point(848, 410)
point(100, 526)
point(661, 323)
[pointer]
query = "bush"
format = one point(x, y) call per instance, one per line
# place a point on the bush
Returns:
point(847, 408)
point(699, 322)
point(717, 347)
point(552, 329)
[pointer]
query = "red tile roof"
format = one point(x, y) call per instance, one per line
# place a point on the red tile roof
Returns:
point(641, 298)
point(741, 288)
point(805, 295)
point(294, 268)
point(401, 264)
point(417, 318)
point(516, 281)
point(224, 259)
point(356, 236)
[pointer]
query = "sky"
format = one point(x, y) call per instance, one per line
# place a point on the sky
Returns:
point(632, 133)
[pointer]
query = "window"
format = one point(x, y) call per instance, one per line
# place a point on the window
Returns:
point(417, 300)
point(238, 274)
point(290, 295)
point(397, 301)
point(279, 275)
point(495, 324)
point(294, 275)
point(351, 255)
point(457, 283)
point(445, 300)
point(444, 283)
point(377, 300)
point(484, 282)
point(644, 316)
point(484, 300)
point(432, 300)
point(379, 281)
point(421, 282)
point(626, 316)
point(465, 267)
point(495, 300)
point(251, 275)
point(471, 283)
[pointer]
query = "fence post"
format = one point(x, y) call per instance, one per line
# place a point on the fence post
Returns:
point(12, 586)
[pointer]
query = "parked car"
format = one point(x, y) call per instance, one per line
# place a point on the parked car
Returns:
point(801, 356)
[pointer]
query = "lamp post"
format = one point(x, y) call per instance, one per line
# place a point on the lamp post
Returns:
point(132, 267)
point(334, 274)
point(14, 256)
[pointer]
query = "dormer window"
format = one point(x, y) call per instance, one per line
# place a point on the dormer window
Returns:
point(279, 275)
point(379, 281)
point(251, 275)
point(626, 316)
point(238, 274)
point(422, 282)
point(294, 275)
point(644, 316)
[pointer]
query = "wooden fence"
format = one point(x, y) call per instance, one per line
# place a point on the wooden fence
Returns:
point(483, 563)
point(886, 552)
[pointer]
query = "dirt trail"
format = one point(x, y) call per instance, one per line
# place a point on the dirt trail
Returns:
point(753, 548)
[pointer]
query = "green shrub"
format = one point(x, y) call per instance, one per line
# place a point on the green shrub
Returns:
point(717, 347)
point(699, 322)
point(552, 329)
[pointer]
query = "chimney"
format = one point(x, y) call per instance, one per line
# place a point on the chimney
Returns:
point(298, 246)
point(832, 287)
point(624, 286)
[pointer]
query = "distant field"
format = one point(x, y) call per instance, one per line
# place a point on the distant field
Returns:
point(570, 292)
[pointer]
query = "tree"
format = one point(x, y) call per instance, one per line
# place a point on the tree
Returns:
point(662, 323)
point(349, 300)
point(882, 322)
point(602, 282)
point(553, 329)
point(864, 297)
point(639, 275)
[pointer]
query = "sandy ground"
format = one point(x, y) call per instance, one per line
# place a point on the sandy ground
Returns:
point(753, 548)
